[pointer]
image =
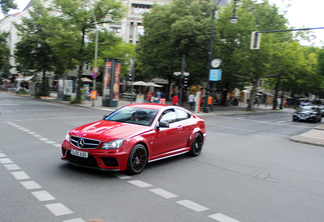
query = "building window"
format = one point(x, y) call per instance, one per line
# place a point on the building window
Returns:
point(140, 31)
point(115, 29)
point(139, 9)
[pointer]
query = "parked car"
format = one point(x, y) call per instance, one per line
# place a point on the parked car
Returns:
point(134, 135)
point(322, 109)
point(308, 113)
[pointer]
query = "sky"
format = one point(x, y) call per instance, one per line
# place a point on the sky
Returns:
point(304, 14)
point(300, 14)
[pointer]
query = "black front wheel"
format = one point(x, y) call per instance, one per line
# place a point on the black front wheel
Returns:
point(197, 145)
point(137, 159)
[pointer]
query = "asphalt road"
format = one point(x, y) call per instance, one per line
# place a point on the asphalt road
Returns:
point(249, 171)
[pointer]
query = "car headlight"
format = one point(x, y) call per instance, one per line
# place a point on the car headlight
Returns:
point(115, 144)
point(68, 137)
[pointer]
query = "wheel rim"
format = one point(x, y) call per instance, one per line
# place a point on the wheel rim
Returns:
point(198, 143)
point(139, 159)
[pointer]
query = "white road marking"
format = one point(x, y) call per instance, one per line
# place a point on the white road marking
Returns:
point(58, 209)
point(20, 175)
point(5, 160)
point(222, 218)
point(37, 136)
point(12, 167)
point(192, 205)
point(139, 183)
point(43, 195)
point(163, 193)
point(2, 155)
point(30, 185)
point(75, 220)
point(122, 176)
point(50, 142)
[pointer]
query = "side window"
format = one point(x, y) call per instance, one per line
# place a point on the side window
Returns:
point(168, 116)
point(182, 115)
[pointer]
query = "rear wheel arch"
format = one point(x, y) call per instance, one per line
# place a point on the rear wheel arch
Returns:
point(196, 144)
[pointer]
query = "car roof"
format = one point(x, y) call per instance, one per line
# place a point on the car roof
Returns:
point(148, 105)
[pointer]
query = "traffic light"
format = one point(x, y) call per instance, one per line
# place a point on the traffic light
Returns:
point(185, 82)
point(130, 77)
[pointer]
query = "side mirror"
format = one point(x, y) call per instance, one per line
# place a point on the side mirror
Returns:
point(162, 125)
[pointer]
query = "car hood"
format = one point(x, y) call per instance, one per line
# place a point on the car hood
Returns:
point(104, 130)
point(307, 112)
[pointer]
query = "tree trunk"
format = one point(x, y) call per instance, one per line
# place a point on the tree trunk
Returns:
point(252, 94)
point(275, 102)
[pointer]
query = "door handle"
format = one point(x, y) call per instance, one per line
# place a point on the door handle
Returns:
point(179, 127)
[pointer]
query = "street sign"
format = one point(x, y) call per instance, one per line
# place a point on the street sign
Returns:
point(94, 75)
point(95, 69)
point(215, 75)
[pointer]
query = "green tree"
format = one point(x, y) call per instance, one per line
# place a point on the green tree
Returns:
point(253, 65)
point(171, 31)
point(4, 56)
point(6, 5)
point(111, 46)
point(78, 15)
point(34, 52)
point(320, 73)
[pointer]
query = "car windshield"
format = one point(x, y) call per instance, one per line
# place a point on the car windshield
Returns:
point(134, 115)
point(306, 108)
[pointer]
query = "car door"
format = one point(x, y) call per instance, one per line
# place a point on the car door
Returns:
point(185, 126)
point(166, 139)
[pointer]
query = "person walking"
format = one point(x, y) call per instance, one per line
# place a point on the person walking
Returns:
point(175, 100)
point(191, 100)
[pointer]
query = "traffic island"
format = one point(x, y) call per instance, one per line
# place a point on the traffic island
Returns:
point(313, 137)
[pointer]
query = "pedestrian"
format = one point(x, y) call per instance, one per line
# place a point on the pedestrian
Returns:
point(210, 103)
point(175, 100)
point(149, 97)
point(156, 98)
point(191, 100)
point(159, 95)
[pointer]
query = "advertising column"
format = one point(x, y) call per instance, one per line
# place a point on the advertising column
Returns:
point(111, 82)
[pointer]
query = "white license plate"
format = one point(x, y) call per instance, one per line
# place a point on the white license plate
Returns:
point(79, 153)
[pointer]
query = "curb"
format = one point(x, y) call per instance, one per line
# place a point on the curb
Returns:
point(312, 137)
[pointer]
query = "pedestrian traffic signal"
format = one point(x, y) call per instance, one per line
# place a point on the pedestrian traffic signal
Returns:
point(130, 77)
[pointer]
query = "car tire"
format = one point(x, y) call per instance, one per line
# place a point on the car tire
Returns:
point(137, 159)
point(197, 145)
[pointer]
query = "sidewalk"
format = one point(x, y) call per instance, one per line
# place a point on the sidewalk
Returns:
point(313, 137)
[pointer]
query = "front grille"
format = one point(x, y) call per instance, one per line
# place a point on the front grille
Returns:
point(90, 161)
point(84, 143)
point(110, 161)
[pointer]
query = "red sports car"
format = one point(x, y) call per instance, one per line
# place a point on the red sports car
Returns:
point(132, 136)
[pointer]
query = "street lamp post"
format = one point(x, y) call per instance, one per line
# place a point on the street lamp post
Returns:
point(210, 57)
point(210, 53)
point(96, 52)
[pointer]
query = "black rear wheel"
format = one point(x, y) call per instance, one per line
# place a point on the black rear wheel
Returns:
point(197, 145)
point(137, 159)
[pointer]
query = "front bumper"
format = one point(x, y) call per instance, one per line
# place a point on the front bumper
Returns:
point(304, 117)
point(109, 160)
